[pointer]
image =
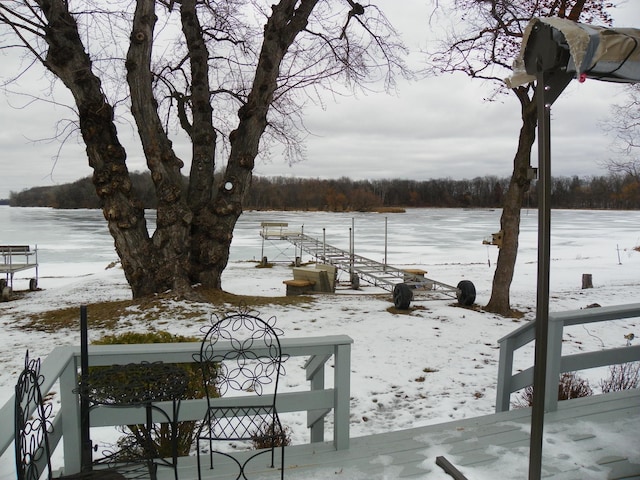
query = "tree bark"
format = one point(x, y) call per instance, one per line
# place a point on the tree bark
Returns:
point(512, 204)
point(208, 239)
point(169, 258)
point(215, 223)
point(201, 132)
point(67, 59)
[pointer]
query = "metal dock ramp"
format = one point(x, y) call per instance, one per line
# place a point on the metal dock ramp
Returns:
point(401, 282)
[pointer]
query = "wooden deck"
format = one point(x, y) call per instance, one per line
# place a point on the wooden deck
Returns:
point(589, 438)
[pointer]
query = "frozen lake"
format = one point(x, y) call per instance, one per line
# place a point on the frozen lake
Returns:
point(431, 238)
point(417, 236)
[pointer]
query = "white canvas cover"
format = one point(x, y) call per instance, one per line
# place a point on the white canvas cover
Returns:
point(611, 54)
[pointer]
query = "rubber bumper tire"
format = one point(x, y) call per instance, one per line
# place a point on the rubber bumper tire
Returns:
point(33, 284)
point(466, 293)
point(402, 296)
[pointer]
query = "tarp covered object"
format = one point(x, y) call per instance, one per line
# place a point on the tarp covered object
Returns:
point(611, 54)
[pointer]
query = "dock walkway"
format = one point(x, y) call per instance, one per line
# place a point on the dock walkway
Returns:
point(375, 273)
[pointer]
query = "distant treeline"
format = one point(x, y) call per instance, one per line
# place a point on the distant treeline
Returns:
point(343, 194)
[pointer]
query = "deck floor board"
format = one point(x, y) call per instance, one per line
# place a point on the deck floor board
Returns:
point(588, 425)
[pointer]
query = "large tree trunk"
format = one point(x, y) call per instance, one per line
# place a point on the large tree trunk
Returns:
point(213, 226)
point(512, 204)
point(67, 59)
point(171, 239)
point(205, 248)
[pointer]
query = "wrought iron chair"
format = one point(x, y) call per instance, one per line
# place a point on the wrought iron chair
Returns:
point(241, 355)
point(32, 429)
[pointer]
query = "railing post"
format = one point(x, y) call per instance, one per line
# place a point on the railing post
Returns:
point(505, 369)
point(70, 410)
point(554, 359)
point(342, 393)
point(315, 375)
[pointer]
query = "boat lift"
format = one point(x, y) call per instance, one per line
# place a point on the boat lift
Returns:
point(16, 258)
point(400, 282)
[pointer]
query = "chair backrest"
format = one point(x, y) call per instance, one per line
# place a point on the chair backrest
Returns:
point(241, 353)
point(32, 424)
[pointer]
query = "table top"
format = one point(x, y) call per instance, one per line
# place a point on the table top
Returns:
point(134, 384)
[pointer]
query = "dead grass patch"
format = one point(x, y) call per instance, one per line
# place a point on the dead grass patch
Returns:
point(390, 210)
point(107, 315)
point(408, 311)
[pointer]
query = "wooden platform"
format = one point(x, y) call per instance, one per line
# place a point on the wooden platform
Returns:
point(590, 438)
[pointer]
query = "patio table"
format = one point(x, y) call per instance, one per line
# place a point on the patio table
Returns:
point(139, 385)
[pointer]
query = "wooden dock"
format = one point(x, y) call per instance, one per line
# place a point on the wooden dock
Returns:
point(595, 437)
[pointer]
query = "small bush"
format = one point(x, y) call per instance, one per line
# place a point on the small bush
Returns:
point(262, 437)
point(621, 377)
point(570, 386)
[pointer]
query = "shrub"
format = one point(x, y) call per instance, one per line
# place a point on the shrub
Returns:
point(261, 438)
point(621, 377)
point(570, 386)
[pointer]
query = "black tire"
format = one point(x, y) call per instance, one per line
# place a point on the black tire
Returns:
point(466, 293)
point(402, 296)
point(33, 284)
point(3, 283)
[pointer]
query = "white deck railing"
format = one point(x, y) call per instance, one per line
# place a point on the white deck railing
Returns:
point(508, 382)
point(63, 365)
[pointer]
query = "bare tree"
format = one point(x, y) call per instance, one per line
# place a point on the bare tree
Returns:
point(233, 75)
point(482, 43)
point(624, 125)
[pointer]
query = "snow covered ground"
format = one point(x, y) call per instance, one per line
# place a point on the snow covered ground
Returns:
point(438, 362)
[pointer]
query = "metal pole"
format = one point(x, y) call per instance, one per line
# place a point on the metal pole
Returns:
point(544, 254)
point(350, 252)
point(324, 245)
point(385, 243)
point(85, 439)
point(352, 231)
point(353, 235)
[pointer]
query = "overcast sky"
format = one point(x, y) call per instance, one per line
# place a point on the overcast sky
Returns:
point(432, 128)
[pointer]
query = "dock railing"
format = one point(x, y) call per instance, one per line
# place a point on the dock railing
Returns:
point(509, 382)
point(61, 369)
